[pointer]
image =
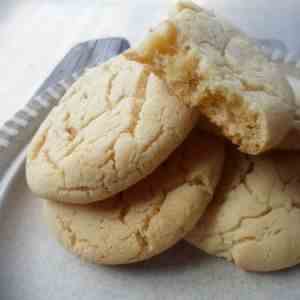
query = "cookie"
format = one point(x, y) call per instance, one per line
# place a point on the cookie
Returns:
point(254, 219)
point(210, 65)
point(149, 217)
point(113, 127)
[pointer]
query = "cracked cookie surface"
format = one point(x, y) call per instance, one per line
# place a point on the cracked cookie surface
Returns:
point(254, 219)
point(149, 217)
point(211, 65)
point(113, 127)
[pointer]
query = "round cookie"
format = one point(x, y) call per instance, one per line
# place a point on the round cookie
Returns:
point(254, 219)
point(112, 128)
point(149, 217)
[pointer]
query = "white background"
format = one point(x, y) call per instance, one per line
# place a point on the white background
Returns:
point(36, 34)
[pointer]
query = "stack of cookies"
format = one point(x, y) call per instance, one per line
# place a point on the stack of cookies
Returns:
point(183, 137)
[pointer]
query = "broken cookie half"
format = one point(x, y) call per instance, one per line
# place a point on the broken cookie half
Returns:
point(149, 217)
point(209, 64)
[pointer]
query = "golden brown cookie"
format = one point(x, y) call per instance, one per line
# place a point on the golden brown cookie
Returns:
point(113, 127)
point(254, 219)
point(149, 217)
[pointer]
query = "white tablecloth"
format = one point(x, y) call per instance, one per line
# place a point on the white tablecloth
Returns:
point(35, 35)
